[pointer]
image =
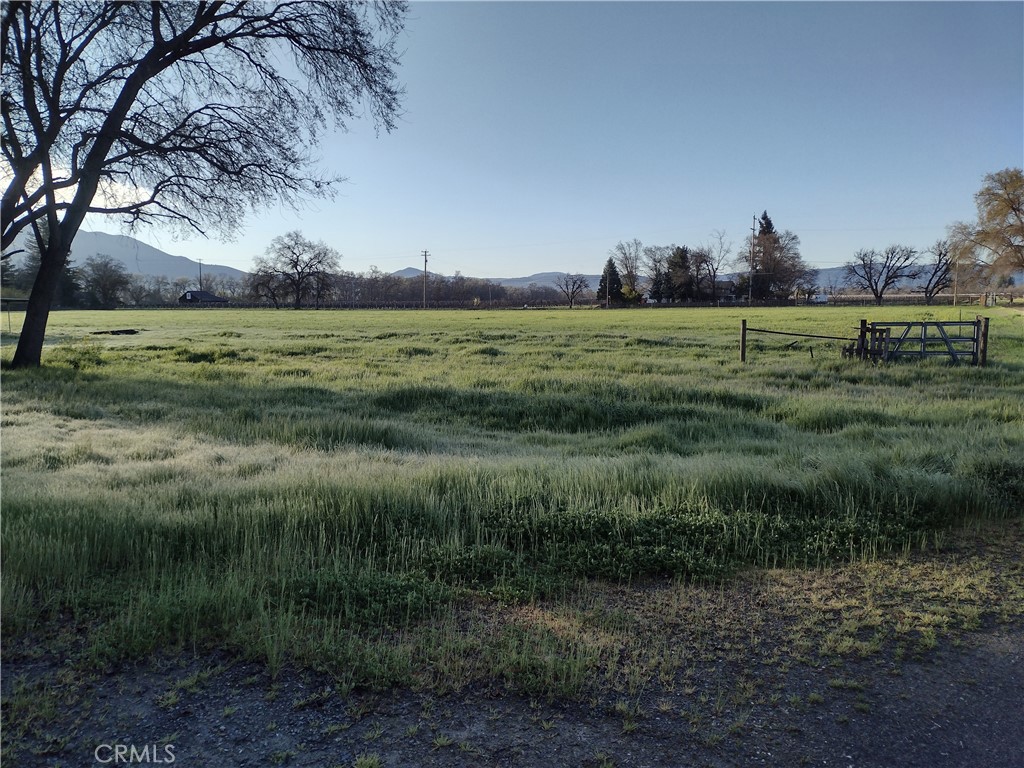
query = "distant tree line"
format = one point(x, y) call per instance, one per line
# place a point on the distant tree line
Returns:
point(296, 272)
point(974, 257)
point(769, 268)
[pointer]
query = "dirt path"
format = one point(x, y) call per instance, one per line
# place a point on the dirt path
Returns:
point(963, 705)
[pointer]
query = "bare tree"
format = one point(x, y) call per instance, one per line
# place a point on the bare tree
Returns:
point(177, 112)
point(266, 286)
point(230, 287)
point(159, 285)
point(878, 272)
point(713, 258)
point(178, 287)
point(138, 289)
point(777, 267)
point(297, 268)
point(656, 258)
point(628, 256)
point(573, 286)
point(655, 263)
point(938, 273)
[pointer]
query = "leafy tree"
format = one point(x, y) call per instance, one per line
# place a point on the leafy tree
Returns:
point(296, 268)
point(878, 272)
point(1000, 228)
point(177, 112)
point(573, 286)
point(103, 280)
point(609, 290)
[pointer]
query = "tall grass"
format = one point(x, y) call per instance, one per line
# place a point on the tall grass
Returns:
point(326, 486)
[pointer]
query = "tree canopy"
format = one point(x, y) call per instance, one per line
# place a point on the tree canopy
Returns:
point(295, 270)
point(609, 290)
point(775, 266)
point(191, 113)
point(1000, 227)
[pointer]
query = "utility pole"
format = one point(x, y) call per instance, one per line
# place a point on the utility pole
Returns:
point(750, 279)
point(200, 274)
point(425, 279)
point(956, 272)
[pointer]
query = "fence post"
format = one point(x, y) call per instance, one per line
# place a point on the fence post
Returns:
point(983, 343)
point(862, 339)
point(743, 341)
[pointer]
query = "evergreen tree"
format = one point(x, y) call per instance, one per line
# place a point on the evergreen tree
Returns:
point(680, 278)
point(8, 273)
point(658, 285)
point(609, 291)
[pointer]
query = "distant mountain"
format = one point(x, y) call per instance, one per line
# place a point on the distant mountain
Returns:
point(543, 278)
point(548, 279)
point(140, 258)
point(413, 272)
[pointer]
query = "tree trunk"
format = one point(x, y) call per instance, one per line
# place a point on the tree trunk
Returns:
point(37, 312)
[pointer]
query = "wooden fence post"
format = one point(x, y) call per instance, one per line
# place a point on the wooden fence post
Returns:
point(983, 342)
point(862, 339)
point(743, 341)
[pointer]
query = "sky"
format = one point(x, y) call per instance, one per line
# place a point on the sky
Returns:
point(536, 135)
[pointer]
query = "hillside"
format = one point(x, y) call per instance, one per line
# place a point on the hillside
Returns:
point(140, 258)
point(548, 279)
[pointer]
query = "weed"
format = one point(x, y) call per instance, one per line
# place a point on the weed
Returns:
point(442, 740)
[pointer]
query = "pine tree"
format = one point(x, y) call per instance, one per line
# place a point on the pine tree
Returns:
point(609, 290)
point(658, 285)
point(680, 275)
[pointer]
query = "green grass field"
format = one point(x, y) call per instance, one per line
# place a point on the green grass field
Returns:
point(343, 488)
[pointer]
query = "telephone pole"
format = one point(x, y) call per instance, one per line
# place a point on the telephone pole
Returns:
point(750, 279)
point(425, 279)
point(200, 274)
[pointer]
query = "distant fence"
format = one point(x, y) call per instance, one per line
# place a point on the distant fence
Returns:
point(959, 340)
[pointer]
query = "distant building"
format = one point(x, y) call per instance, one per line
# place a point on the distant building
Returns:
point(200, 297)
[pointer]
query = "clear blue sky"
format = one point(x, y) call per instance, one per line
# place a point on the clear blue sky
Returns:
point(538, 134)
